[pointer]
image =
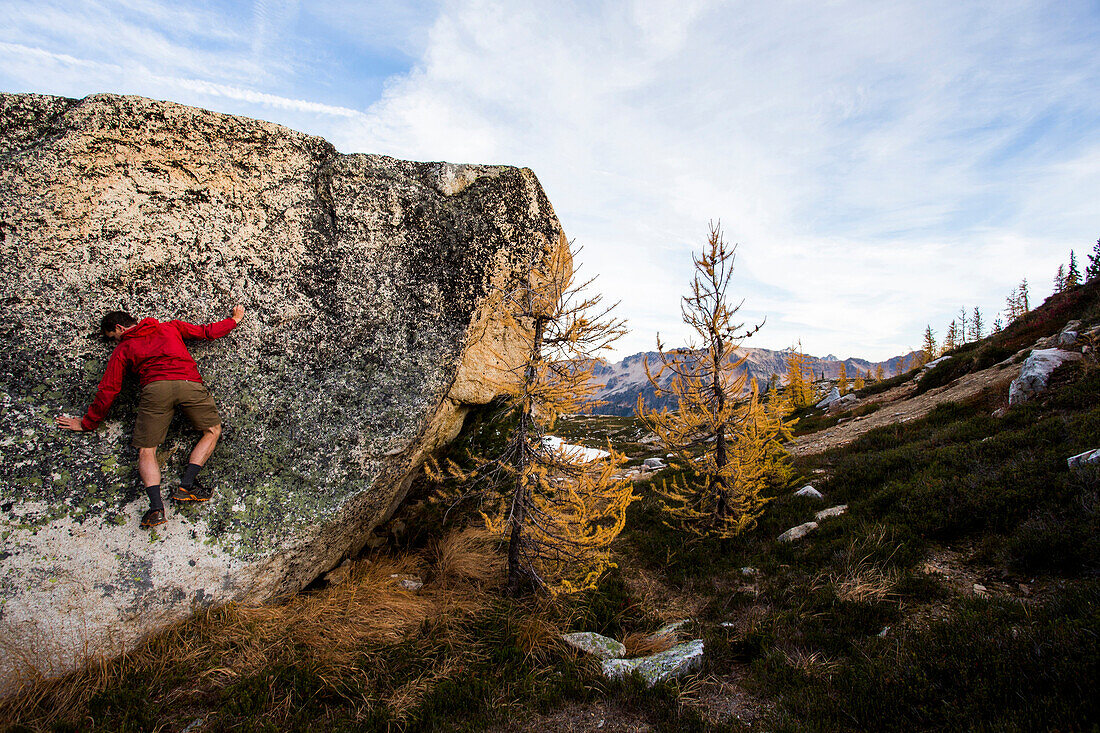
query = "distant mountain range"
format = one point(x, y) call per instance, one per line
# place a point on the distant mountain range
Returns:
point(625, 380)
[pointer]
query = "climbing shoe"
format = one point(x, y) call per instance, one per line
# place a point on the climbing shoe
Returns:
point(195, 492)
point(152, 518)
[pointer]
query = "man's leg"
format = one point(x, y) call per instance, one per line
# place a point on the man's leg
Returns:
point(199, 407)
point(203, 449)
point(150, 426)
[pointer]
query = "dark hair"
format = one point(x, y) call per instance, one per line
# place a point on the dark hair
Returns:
point(114, 319)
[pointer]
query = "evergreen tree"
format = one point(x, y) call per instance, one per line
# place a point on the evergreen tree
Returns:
point(1025, 305)
point(727, 448)
point(1073, 275)
point(1093, 270)
point(859, 382)
point(879, 373)
point(962, 325)
point(557, 510)
point(799, 385)
point(928, 350)
point(951, 340)
point(1060, 279)
point(976, 324)
point(998, 325)
point(842, 379)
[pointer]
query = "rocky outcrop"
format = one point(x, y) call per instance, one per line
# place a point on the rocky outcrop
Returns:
point(1036, 371)
point(678, 661)
point(367, 337)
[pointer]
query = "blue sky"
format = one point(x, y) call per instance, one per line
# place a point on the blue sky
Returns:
point(879, 163)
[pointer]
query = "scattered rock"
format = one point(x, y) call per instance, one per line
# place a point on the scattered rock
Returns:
point(1081, 460)
point(1067, 339)
point(408, 582)
point(809, 491)
point(833, 511)
point(797, 533)
point(934, 363)
point(654, 464)
point(882, 634)
point(1000, 412)
point(748, 571)
point(595, 644)
point(833, 396)
point(675, 662)
point(980, 589)
point(844, 403)
point(1035, 373)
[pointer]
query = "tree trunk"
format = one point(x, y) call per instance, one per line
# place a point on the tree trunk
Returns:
point(720, 459)
point(523, 490)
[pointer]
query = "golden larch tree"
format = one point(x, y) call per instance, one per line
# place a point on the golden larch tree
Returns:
point(799, 384)
point(842, 379)
point(727, 447)
point(859, 382)
point(557, 506)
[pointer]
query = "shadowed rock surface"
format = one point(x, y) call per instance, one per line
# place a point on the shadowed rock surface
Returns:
point(367, 334)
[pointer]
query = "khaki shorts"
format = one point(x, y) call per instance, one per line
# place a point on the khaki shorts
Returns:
point(157, 405)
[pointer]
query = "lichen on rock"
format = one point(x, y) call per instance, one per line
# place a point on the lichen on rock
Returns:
point(367, 334)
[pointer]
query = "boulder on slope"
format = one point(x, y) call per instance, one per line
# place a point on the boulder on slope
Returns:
point(1036, 371)
point(368, 335)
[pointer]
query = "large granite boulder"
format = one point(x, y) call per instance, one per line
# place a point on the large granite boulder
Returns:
point(367, 336)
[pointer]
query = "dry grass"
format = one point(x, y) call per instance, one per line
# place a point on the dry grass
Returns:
point(862, 579)
point(812, 664)
point(639, 644)
point(330, 629)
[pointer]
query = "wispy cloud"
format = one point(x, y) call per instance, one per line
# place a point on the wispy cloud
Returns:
point(880, 163)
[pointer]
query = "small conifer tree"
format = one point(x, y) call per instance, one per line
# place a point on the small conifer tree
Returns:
point(880, 373)
point(1073, 275)
point(726, 446)
point(557, 509)
point(951, 339)
point(842, 379)
point(928, 350)
point(799, 385)
point(1060, 279)
point(859, 383)
point(962, 325)
point(977, 325)
point(1093, 270)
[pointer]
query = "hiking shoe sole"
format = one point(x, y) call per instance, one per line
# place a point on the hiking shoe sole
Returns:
point(153, 518)
point(195, 493)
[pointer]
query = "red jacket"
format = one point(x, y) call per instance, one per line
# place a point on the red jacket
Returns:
point(156, 352)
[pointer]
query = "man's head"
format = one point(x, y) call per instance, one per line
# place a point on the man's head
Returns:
point(115, 323)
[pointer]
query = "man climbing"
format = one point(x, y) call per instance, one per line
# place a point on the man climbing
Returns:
point(169, 378)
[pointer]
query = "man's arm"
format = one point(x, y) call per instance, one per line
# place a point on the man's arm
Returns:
point(209, 331)
point(109, 387)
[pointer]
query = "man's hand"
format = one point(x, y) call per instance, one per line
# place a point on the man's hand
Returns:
point(238, 313)
point(70, 423)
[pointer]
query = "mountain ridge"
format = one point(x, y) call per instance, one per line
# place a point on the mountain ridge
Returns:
point(623, 381)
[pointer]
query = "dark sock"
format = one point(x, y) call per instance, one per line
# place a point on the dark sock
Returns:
point(189, 475)
point(155, 502)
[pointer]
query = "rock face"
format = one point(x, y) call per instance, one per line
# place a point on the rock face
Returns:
point(797, 533)
point(675, 662)
point(1036, 371)
point(596, 644)
point(367, 336)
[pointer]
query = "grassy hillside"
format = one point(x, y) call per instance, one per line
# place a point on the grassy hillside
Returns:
point(961, 590)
